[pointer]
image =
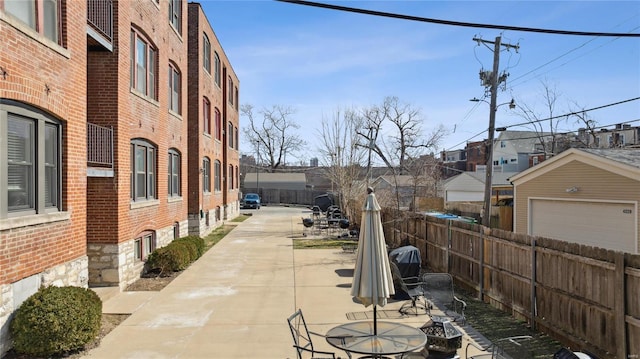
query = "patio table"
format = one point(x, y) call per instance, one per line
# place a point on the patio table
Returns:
point(392, 338)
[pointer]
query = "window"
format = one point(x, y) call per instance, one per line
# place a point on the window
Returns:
point(144, 245)
point(206, 53)
point(237, 177)
point(218, 121)
point(175, 15)
point(230, 175)
point(41, 15)
point(237, 99)
point(143, 170)
point(173, 173)
point(174, 89)
point(176, 230)
point(535, 161)
point(217, 180)
point(206, 175)
point(216, 68)
point(143, 66)
point(206, 116)
point(237, 138)
point(230, 93)
point(32, 176)
point(503, 144)
point(230, 135)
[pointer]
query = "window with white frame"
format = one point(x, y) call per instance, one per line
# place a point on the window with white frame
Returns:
point(43, 16)
point(174, 89)
point(217, 75)
point(206, 115)
point(32, 177)
point(206, 53)
point(175, 15)
point(143, 170)
point(217, 176)
point(143, 66)
point(173, 173)
point(218, 123)
point(206, 175)
point(143, 245)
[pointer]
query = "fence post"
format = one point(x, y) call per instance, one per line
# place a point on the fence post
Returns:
point(533, 283)
point(484, 231)
point(619, 306)
point(448, 264)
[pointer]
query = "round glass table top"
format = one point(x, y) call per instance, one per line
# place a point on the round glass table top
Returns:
point(391, 338)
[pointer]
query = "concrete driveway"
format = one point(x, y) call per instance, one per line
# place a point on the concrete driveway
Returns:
point(234, 301)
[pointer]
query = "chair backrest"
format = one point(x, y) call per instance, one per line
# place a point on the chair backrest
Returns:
point(300, 333)
point(439, 287)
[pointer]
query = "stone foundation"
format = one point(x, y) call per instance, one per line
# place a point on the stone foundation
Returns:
point(73, 273)
point(115, 265)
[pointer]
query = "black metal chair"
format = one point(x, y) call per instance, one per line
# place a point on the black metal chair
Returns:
point(302, 339)
point(414, 288)
point(439, 291)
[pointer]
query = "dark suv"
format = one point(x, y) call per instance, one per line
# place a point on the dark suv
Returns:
point(251, 200)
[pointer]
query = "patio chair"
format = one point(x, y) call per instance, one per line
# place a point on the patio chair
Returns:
point(439, 290)
point(414, 288)
point(302, 339)
point(504, 348)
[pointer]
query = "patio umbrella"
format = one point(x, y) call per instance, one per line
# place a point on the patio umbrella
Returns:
point(372, 280)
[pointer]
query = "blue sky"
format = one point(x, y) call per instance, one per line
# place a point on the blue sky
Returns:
point(318, 60)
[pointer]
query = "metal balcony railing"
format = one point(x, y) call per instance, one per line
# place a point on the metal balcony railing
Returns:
point(99, 145)
point(100, 17)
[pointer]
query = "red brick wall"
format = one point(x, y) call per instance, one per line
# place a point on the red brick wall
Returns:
point(112, 219)
point(52, 78)
point(202, 84)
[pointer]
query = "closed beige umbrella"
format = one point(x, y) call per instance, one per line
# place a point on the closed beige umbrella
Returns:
point(372, 280)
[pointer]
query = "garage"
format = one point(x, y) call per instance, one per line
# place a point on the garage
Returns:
point(588, 196)
point(587, 222)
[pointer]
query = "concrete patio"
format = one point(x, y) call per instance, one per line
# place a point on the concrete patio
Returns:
point(234, 301)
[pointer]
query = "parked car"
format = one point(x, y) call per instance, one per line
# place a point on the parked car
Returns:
point(251, 200)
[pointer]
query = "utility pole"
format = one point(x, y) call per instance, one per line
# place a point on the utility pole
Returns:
point(492, 81)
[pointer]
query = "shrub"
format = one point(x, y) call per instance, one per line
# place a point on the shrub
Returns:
point(195, 240)
point(199, 242)
point(56, 320)
point(189, 246)
point(172, 258)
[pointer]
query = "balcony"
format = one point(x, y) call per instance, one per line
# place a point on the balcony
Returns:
point(99, 151)
point(100, 24)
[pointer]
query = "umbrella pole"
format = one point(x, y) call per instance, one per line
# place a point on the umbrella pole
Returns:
point(375, 321)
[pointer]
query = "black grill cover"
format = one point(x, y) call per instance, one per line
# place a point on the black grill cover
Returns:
point(408, 260)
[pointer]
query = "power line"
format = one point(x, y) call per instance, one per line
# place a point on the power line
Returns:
point(574, 113)
point(457, 23)
point(553, 118)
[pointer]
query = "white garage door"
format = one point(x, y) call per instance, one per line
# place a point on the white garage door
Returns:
point(464, 196)
point(600, 224)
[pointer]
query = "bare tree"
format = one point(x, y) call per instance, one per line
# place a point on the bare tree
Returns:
point(402, 139)
point(272, 133)
point(587, 132)
point(543, 122)
point(343, 157)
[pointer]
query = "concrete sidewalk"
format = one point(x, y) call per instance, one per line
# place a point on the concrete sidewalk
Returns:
point(234, 301)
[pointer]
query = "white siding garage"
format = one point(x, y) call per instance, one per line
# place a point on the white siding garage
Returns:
point(587, 222)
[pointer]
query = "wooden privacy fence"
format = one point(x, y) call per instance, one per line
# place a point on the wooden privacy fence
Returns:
point(587, 298)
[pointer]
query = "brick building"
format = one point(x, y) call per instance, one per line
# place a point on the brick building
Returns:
point(43, 152)
point(96, 124)
point(214, 175)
